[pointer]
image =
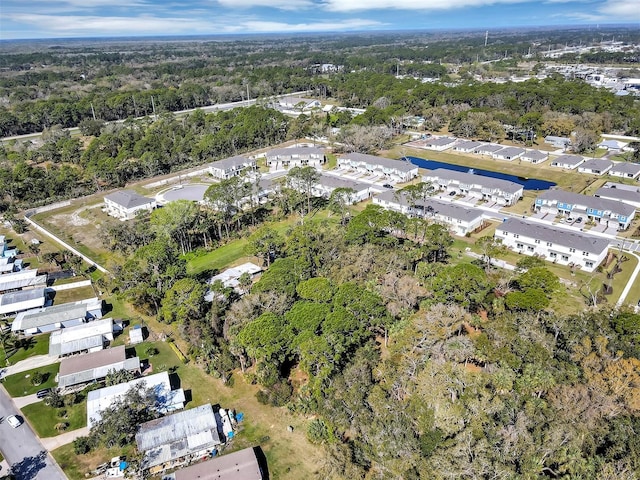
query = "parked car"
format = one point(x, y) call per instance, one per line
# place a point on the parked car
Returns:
point(570, 219)
point(43, 393)
point(14, 421)
point(452, 194)
point(387, 185)
point(579, 220)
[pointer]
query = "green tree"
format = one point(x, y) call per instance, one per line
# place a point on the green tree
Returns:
point(265, 243)
point(339, 202)
point(303, 180)
point(318, 289)
point(464, 284)
point(183, 301)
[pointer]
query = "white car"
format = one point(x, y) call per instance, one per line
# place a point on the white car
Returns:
point(14, 421)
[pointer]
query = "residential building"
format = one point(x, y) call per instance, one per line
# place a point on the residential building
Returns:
point(534, 156)
point(595, 166)
point(488, 149)
point(300, 104)
point(125, 204)
point(231, 167)
point(167, 399)
point(240, 465)
point(328, 183)
point(613, 213)
point(93, 367)
point(612, 145)
point(395, 170)
point(439, 143)
point(466, 146)
point(558, 142)
point(20, 300)
point(459, 219)
point(56, 317)
point(5, 251)
point(23, 279)
point(285, 158)
point(230, 278)
point(136, 335)
point(569, 162)
point(495, 190)
point(87, 337)
point(176, 440)
point(552, 244)
point(625, 170)
point(508, 153)
point(621, 192)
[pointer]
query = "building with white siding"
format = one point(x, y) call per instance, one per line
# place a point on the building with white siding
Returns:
point(396, 170)
point(496, 190)
point(286, 158)
point(125, 204)
point(231, 167)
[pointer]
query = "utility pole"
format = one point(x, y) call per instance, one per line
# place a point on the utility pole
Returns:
point(135, 107)
point(153, 105)
point(93, 112)
point(486, 37)
point(248, 94)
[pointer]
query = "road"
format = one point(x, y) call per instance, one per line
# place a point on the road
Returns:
point(21, 448)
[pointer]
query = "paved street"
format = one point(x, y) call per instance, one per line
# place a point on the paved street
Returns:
point(23, 451)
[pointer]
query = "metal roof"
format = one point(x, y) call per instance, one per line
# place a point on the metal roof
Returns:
point(570, 239)
point(128, 199)
point(472, 179)
point(22, 279)
point(49, 316)
point(240, 465)
point(81, 337)
point(376, 161)
point(447, 209)
point(177, 426)
point(8, 299)
point(166, 399)
point(94, 366)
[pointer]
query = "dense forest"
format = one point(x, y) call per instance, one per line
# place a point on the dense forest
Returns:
point(409, 361)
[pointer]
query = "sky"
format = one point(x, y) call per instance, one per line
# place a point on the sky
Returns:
point(22, 19)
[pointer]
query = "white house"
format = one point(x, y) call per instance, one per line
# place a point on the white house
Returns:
point(557, 142)
point(569, 162)
point(125, 204)
point(488, 149)
point(231, 167)
point(508, 153)
point(439, 143)
point(167, 400)
point(328, 183)
point(460, 220)
point(396, 170)
point(86, 337)
point(552, 244)
point(496, 190)
point(595, 166)
point(625, 170)
point(285, 158)
point(230, 278)
point(534, 156)
point(466, 146)
point(28, 278)
point(618, 191)
point(612, 144)
point(298, 103)
point(613, 213)
point(55, 317)
point(13, 302)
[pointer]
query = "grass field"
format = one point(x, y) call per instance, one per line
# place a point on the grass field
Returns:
point(75, 466)
point(38, 345)
point(44, 418)
point(19, 384)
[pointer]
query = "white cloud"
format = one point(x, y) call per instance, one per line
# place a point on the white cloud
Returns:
point(279, 4)
point(359, 5)
point(350, 24)
point(623, 10)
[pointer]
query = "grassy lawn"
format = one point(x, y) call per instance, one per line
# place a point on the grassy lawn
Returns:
point(75, 466)
point(44, 418)
point(19, 385)
point(38, 345)
point(74, 294)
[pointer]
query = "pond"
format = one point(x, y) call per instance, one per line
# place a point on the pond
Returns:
point(527, 183)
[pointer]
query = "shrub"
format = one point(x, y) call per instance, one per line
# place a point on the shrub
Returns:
point(37, 379)
point(151, 351)
point(82, 445)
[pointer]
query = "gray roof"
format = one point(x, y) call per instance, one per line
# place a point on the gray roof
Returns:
point(175, 427)
point(439, 207)
point(489, 148)
point(597, 203)
point(467, 145)
point(94, 366)
point(7, 299)
point(620, 194)
point(510, 151)
point(240, 465)
point(232, 162)
point(568, 159)
point(570, 239)
point(626, 167)
point(21, 279)
point(333, 181)
point(597, 164)
point(128, 199)
point(401, 165)
point(295, 151)
point(470, 178)
point(50, 315)
point(440, 141)
point(553, 138)
point(535, 154)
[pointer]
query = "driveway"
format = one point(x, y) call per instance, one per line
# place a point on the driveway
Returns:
point(28, 364)
point(21, 448)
